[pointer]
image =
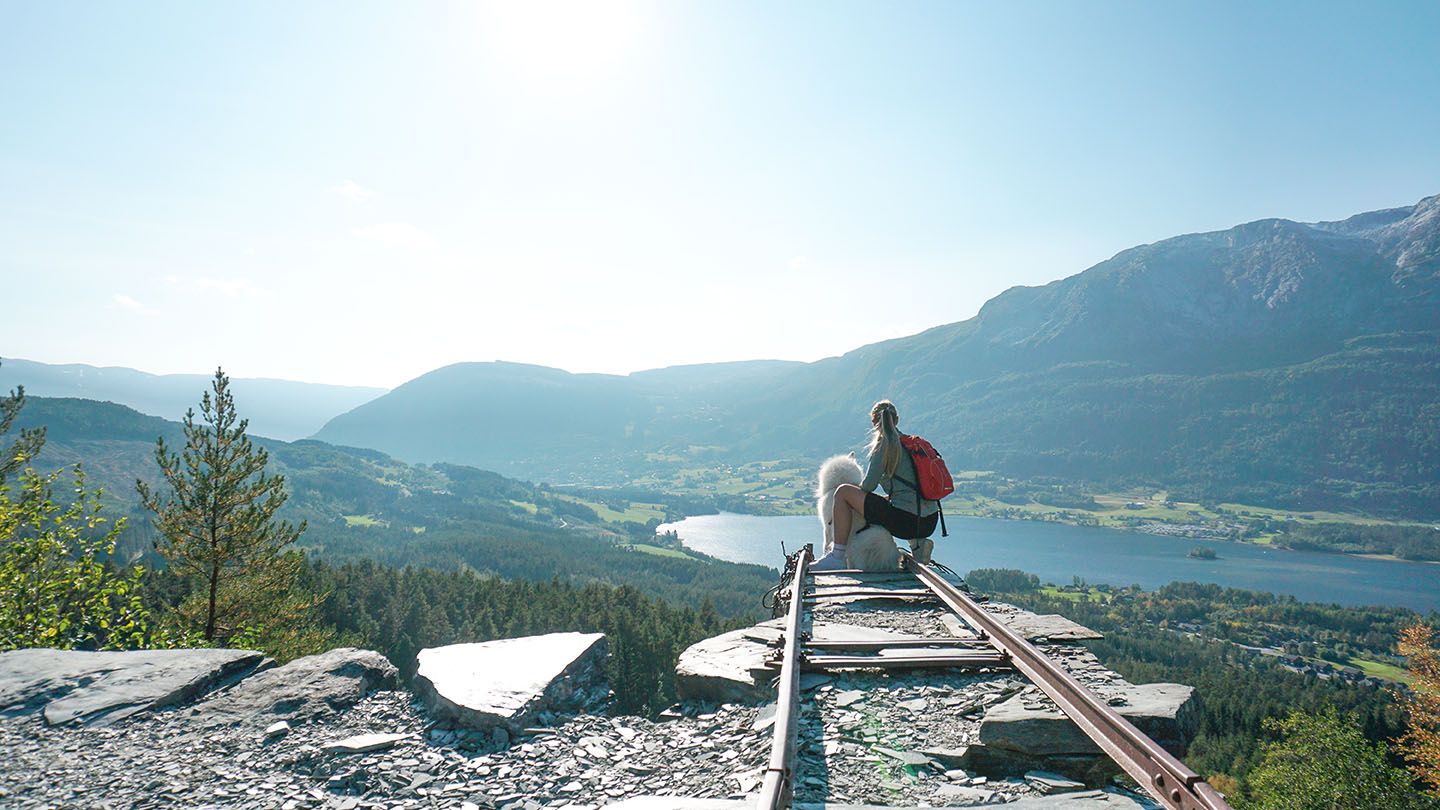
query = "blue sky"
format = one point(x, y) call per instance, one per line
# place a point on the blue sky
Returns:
point(355, 192)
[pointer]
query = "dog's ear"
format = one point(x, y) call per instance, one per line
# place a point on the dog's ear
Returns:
point(852, 454)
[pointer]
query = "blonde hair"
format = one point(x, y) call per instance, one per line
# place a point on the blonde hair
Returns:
point(885, 443)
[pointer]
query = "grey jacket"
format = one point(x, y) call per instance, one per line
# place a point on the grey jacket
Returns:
point(902, 495)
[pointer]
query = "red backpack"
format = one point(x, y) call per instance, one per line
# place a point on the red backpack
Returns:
point(933, 478)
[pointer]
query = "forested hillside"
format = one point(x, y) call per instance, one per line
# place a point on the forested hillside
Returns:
point(1288, 364)
point(362, 504)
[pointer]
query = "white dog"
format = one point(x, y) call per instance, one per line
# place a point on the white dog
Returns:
point(871, 548)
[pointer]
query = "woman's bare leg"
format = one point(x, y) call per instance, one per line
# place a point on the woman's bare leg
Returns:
point(849, 502)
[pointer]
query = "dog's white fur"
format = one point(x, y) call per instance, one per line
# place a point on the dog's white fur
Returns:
point(870, 548)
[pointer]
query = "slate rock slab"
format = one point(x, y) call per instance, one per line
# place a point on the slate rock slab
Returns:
point(96, 688)
point(304, 689)
point(1093, 800)
point(506, 683)
point(1088, 800)
point(364, 743)
point(1163, 711)
point(730, 667)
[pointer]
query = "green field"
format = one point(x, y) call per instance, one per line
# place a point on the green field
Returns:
point(636, 512)
point(363, 520)
point(1125, 509)
point(1075, 596)
point(657, 550)
point(1380, 669)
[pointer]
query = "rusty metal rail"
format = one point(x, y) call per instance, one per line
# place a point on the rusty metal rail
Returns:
point(775, 790)
point(1169, 780)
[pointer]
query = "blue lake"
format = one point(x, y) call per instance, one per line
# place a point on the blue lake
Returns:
point(1057, 553)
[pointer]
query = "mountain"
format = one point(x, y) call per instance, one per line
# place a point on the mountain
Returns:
point(532, 420)
point(279, 409)
point(1287, 363)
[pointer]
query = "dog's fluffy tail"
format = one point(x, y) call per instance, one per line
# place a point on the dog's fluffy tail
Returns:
point(835, 471)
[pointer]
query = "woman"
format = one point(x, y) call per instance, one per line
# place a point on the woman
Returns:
point(905, 513)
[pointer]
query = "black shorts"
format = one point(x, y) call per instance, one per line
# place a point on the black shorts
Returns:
point(904, 525)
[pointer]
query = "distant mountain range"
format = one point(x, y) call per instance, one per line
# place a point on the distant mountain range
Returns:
point(1277, 363)
point(1280, 362)
point(278, 409)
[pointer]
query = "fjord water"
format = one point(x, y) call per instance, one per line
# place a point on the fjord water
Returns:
point(1057, 553)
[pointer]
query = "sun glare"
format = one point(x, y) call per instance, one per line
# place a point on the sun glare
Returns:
point(561, 43)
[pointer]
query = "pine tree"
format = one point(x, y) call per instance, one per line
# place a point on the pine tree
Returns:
point(218, 530)
point(25, 446)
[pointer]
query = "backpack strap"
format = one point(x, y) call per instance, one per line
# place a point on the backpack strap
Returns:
point(918, 500)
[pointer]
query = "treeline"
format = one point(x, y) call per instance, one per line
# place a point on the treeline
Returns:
point(1413, 542)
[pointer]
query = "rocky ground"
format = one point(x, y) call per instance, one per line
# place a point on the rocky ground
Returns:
point(893, 738)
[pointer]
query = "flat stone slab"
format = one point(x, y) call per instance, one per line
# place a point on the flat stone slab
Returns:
point(1048, 782)
point(1030, 626)
point(304, 689)
point(507, 682)
point(364, 743)
point(1163, 711)
point(1089, 800)
point(74, 686)
point(730, 667)
point(1048, 625)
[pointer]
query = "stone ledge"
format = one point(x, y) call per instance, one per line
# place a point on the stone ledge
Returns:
point(73, 686)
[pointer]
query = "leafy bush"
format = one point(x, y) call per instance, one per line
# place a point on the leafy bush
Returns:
point(57, 588)
point(1323, 762)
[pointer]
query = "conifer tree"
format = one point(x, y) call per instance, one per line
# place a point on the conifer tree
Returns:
point(218, 530)
point(23, 447)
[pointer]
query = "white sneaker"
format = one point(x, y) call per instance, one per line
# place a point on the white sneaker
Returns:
point(834, 561)
point(921, 547)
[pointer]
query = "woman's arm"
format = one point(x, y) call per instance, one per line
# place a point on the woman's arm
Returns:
point(872, 475)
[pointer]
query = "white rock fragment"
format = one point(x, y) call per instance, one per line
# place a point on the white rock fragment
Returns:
point(505, 683)
point(364, 743)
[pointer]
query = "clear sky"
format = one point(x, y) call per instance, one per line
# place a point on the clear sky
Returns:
point(356, 192)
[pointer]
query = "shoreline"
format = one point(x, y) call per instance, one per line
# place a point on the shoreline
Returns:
point(1054, 517)
point(1058, 518)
